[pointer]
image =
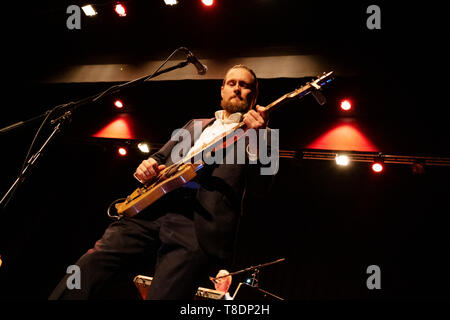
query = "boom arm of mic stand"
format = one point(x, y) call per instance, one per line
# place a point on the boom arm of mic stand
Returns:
point(118, 88)
point(72, 106)
point(98, 96)
point(21, 123)
point(248, 269)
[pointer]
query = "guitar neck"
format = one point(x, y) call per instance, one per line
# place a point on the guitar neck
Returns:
point(298, 93)
point(287, 97)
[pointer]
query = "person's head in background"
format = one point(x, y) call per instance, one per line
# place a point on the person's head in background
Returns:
point(223, 284)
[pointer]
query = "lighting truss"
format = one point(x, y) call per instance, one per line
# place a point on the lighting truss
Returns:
point(356, 156)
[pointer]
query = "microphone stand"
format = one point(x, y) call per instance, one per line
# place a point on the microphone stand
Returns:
point(254, 277)
point(21, 123)
point(252, 268)
point(68, 108)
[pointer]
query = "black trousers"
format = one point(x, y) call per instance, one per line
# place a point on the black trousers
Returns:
point(169, 237)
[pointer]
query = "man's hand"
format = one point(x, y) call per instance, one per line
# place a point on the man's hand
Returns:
point(256, 119)
point(148, 169)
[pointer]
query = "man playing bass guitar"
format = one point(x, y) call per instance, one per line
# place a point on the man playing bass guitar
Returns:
point(190, 230)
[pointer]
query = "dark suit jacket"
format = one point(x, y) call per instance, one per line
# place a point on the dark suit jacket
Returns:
point(218, 199)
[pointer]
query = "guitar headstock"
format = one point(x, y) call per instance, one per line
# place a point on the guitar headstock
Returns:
point(317, 84)
point(322, 80)
point(311, 87)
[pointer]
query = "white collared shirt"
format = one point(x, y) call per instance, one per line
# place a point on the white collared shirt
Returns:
point(219, 127)
point(227, 296)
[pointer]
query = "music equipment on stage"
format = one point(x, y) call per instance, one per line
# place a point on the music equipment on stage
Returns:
point(250, 290)
point(244, 291)
point(176, 175)
point(142, 283)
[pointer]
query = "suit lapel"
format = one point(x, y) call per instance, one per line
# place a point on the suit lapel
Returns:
point(204, 123)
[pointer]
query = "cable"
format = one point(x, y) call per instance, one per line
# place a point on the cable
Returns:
point(108, 211)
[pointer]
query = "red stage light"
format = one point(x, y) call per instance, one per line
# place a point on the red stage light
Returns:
point(118, 104)
point(346, 105)
point(120, 10)
point(122, 151)
point(208, 3)
point(344, 136)
point(377, 167)
point(119, 128)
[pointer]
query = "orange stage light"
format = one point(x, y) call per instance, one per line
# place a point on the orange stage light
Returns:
point(119, 128)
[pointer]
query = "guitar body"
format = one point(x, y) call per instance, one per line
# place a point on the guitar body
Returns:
point(144, 196)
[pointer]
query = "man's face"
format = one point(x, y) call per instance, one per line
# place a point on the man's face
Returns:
point(237, 92)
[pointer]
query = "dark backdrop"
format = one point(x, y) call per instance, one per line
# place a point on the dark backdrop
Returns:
point(329, 223)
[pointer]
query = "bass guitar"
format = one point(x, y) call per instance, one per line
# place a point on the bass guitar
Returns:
point(183, 171)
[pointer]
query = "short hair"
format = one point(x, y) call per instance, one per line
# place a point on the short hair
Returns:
point(255, 86)
point(242, 66)
point(223, 273)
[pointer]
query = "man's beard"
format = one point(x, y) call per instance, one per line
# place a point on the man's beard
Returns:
point(233, 107)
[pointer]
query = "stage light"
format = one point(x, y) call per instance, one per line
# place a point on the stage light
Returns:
point(122, 151)
point(89, 10)
point(378, 164)
point(118, 104)
point(342, 160)
point(208, 3)
point(171, 2)
point(377, 167)
point(346, 105)
point(144, 147)
point(120, 10)
point(344, 136)
point(122, 127)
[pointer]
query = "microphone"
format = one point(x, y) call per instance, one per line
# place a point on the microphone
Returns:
point(201, 68)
